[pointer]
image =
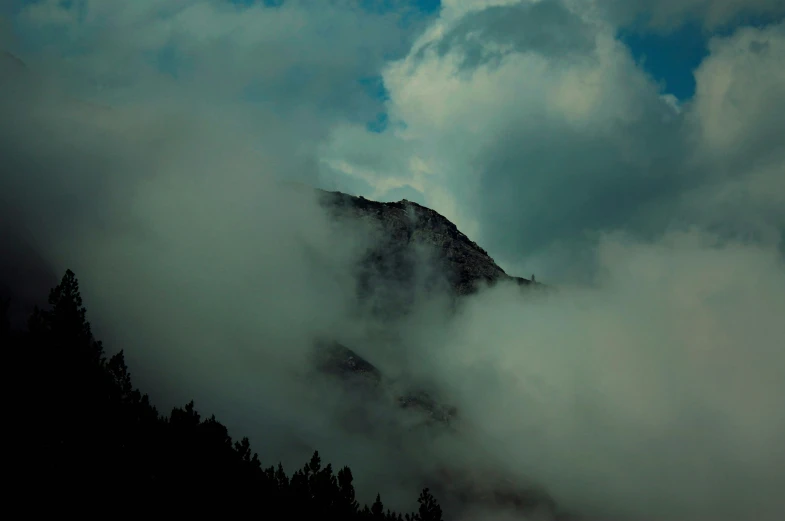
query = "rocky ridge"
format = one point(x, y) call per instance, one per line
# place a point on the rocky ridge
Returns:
point(406, 225)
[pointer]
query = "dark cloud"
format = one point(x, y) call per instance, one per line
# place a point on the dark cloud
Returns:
point(529, 182)
point(665, 15)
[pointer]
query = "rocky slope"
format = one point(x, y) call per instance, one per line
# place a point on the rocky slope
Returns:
point(407, 227)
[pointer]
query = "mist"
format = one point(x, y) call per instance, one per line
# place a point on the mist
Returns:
point(655, 394)
point(652, 391)
point(194, 257)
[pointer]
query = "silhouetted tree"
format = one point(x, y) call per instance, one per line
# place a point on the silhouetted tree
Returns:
point(429, 509)
point(377, 509)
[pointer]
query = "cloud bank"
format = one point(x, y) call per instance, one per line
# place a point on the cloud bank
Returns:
point(653, 396)
point(532, 127)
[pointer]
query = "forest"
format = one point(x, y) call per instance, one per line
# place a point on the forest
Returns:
point(88, 442)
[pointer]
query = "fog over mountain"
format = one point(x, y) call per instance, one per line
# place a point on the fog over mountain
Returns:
point(213, 214)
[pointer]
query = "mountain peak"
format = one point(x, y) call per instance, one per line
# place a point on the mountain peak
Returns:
point(406, 226)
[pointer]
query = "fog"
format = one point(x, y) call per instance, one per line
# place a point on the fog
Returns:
point(195, 256)
point(652, 393)
point(655, 394)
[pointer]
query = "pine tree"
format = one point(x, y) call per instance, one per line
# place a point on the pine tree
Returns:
point(377, 509)
point(99, 441)
point(429, 509)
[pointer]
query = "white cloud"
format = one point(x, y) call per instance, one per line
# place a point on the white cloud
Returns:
point(739, 98)
point(548, 135)
point(529, 139)
point(654, 396)
point(736, 126)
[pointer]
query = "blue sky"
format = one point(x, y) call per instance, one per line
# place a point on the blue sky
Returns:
point(670, 58)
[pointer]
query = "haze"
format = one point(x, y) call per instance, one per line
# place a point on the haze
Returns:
point(156, 149)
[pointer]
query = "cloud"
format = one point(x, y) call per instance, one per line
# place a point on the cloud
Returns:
point(669, 14)
point(652, 396)
point(498, 125)
point(144, 147)
point(735, 130)
point(738, 96)
point(539, 139)
point(301, 60)
point(214, 276)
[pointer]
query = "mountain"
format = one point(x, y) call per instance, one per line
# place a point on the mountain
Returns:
point(416, 250)
point(406, 226)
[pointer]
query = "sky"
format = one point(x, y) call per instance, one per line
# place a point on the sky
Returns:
point(627, 152)
point(345, 77)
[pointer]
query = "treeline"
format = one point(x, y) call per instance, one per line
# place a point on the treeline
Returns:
point(86, 441)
